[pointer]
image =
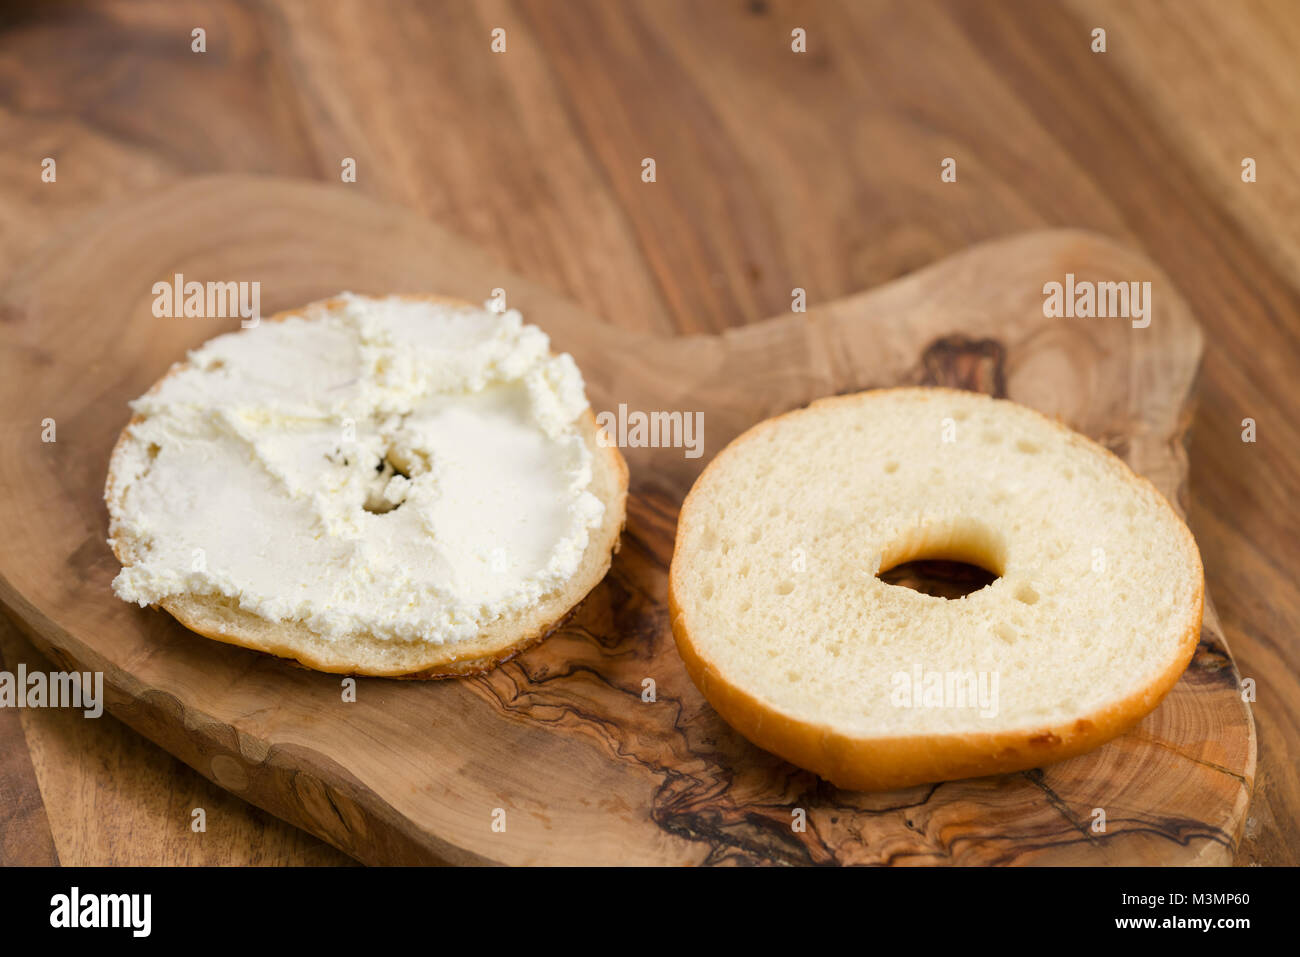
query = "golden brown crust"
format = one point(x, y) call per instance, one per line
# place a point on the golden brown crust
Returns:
point(864, 763)
point(220, 618)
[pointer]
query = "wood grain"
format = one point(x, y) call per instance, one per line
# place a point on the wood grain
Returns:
point(25, 836)
point(777, 171)
point(115, 798)
point(560, 738)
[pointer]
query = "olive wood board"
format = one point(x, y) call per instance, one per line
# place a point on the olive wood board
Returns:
point(563, 743)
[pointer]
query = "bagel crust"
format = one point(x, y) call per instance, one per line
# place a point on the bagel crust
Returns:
point(861, 743)
point(222, 619)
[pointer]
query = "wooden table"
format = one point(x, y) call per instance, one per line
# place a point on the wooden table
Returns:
point(774, 170)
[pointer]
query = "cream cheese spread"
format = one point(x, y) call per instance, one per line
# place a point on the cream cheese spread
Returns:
point(400, 468)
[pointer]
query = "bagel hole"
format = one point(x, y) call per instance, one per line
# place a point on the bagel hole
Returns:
point(945, 560)
point(939, 578)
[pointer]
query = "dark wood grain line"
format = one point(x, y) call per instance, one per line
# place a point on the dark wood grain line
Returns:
point(1172, 748)
point(1037, 779)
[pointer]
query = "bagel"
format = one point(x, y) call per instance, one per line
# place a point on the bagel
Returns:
point(786, 628)
point(406, 486)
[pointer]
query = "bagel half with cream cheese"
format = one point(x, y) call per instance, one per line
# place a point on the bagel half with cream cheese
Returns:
point(406, 486)
point(787, 630)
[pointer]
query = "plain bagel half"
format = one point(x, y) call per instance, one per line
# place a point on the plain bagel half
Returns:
point(787, 630)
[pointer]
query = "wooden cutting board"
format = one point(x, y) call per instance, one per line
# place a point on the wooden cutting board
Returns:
point(562, 740)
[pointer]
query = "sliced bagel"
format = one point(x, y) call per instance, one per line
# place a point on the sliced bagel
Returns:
point(787, 630)
point(223, 617)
